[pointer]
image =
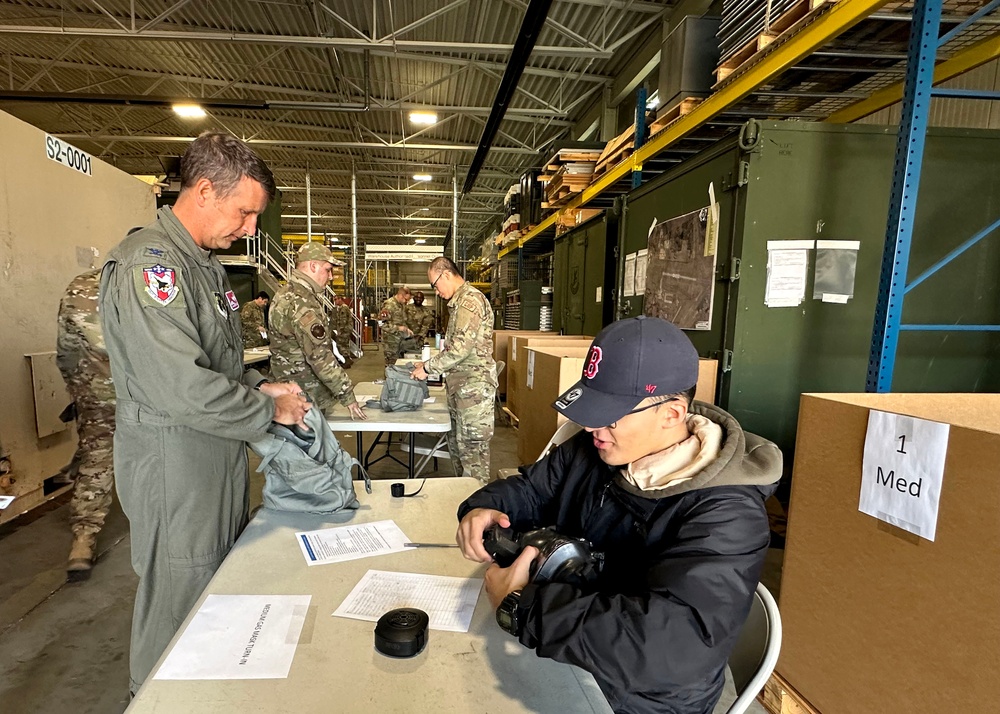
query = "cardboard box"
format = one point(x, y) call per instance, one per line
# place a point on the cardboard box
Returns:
point(501, 338)
point(517, 358)
point(876, 619)
point(549, 370)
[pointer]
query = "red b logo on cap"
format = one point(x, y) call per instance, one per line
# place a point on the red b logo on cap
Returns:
point(593, 359)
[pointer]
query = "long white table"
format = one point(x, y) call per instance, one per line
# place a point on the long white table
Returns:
point(253, 355)
point(432, 418)
point(336, 667)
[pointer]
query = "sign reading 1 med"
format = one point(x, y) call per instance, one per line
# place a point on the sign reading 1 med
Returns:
point(67, 155)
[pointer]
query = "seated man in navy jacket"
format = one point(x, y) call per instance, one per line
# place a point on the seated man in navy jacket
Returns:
point(672, 492)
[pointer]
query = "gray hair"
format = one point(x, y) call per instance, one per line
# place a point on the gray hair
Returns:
point(224, 160)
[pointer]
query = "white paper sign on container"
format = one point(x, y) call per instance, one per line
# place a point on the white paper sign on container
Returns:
point(903, 470)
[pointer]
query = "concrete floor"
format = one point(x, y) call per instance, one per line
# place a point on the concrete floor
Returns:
point(64, 647)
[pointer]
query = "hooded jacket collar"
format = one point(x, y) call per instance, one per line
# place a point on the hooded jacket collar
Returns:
point(744, 460)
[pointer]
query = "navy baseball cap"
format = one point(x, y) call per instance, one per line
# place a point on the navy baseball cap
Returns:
point(630, 360)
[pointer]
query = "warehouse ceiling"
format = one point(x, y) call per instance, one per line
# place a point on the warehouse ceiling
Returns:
point(324, 87)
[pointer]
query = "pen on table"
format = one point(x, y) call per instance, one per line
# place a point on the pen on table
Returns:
point(430, 545)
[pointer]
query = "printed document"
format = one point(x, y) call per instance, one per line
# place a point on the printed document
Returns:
point(448, 601)
point(335, 545)
point(239, 637)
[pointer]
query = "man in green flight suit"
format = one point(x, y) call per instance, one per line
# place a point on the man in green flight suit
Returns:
point(301, 349)
point(185, 405)
point(467, 360)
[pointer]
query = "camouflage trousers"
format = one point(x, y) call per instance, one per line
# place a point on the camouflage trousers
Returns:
point(390, 345)
point(93, 463)
point(471, 410)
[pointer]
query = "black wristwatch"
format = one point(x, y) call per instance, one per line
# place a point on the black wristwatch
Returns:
point(261, 383)
point(507, 614)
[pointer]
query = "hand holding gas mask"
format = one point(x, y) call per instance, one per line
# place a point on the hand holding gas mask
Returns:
point(560, 558)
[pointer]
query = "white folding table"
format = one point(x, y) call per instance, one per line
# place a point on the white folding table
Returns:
point(336, 667)
point(431, 418)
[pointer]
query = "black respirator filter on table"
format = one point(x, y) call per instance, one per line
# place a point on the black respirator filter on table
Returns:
point(401, 632)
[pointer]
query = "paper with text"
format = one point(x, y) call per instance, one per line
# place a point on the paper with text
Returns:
point(449, 602)
point(239, 637)
point(786, 277)
point(903, 470)
point(363, 540)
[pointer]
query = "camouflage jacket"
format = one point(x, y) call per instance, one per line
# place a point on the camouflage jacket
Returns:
point(420, 319)
point(467, 354)
point(393, 316)
point(80, 351)
point(301, 349)
point(343, 320)
point(252, 316)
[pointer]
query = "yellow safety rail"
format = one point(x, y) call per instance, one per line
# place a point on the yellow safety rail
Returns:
point(840, 17)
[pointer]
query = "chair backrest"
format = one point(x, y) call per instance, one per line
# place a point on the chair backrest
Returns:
point(756, 651)
point(564, 433)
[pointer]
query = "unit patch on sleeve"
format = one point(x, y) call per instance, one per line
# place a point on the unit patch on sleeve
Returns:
point(233, 302)
point(161, 283)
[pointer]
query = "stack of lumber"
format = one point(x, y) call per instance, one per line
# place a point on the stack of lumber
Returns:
point(567, 173)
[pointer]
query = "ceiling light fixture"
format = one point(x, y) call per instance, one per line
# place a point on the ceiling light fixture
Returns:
point(422, 177)
point(418, 241)
point(423, 118)
point(189, 111)
point(425, 209)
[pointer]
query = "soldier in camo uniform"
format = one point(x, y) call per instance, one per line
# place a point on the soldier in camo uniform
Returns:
point(83, 361)
point(467, 360)
point(394, 327)
point(301, 337)
point(252, 316)
point(419, 318)
point(343, 323)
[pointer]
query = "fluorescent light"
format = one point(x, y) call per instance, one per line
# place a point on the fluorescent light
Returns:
point(418, 241)
point(425, 209)
point(423, 118)
point(189, 111)
point(422, 177)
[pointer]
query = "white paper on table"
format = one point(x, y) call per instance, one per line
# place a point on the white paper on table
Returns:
point(448, 601)
point(786, 277)
point(362, 540)
point(5, 501)
point(902, 471)
point(239, 637)
point(629, 287)
point(429, 400)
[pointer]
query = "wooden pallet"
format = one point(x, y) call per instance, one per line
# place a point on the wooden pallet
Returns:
point(673, 114)
point(787, 23)
point(778, 697)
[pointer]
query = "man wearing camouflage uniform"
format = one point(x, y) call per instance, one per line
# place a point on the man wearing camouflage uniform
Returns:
point(343, 322)
point(467, 360)
point(252, 315)
point(419, 318)
point(185, 406)
point(83, 362)
point(301, 337)
point(394, 327)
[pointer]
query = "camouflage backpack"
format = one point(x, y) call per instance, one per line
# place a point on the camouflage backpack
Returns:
point(401, 392)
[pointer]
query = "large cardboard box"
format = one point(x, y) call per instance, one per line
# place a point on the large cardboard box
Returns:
point(501, 339)
point(876, 619)
point(517, 359)
point(549, 370)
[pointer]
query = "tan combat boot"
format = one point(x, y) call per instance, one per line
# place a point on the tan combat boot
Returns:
point(81, 557)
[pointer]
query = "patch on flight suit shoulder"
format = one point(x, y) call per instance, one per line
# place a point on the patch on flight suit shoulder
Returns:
point(155, 251)
point(220, 304)
point(157, 284)
point(233, 302)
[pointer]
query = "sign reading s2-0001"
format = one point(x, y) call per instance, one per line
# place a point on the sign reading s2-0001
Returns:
point(69, 155)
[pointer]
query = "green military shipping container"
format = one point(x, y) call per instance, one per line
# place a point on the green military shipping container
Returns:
point(584, 276)
point(785, 181)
